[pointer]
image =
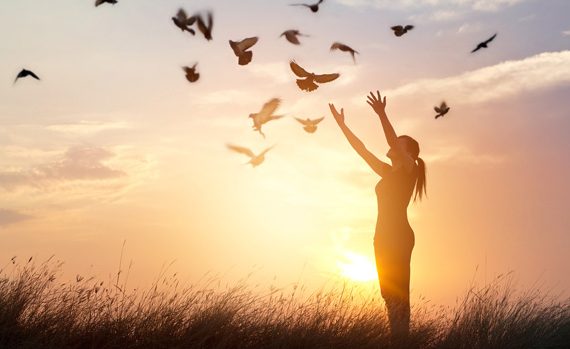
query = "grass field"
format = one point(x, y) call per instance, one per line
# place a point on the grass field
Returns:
point(39, 310)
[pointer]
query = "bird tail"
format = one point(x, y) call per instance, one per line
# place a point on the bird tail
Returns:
point(307, 85)
point(245, 58)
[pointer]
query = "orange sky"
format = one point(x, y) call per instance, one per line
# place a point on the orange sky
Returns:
point(114, 144)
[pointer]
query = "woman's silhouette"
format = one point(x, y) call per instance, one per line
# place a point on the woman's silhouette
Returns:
point(394, 238)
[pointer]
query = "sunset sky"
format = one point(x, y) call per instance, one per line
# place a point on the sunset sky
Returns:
point(113, 144)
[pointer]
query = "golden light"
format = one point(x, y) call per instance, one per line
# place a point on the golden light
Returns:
point(357, 267)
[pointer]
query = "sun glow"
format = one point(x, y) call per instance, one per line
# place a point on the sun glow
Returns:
point(357, 267)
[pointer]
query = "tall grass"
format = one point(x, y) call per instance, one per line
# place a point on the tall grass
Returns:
point(37, 310)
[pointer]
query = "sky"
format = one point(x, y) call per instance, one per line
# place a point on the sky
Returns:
point(113, 146)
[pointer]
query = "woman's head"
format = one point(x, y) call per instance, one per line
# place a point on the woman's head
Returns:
point(412, 147)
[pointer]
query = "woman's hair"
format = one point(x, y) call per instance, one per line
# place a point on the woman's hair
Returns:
point(414, 150)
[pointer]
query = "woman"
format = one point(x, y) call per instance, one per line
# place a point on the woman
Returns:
point(394, 238)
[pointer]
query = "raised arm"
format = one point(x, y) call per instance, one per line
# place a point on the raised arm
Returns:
point(379, 105)
point(378, 166)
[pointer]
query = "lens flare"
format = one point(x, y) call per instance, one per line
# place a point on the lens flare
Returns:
point(357, 267)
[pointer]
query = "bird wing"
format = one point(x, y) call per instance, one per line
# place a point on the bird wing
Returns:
point(316, 121)
point(409, 27)
point(397, 28)
point(205, 29)
point(241, 150)
point(318, 3)
point(269, 108)
point(491, 38)
point(443, 106)
point(336, 46)
point(265, 151)
point(437, 109)
point(247, 43)
point(300, 72)
point(99, 2)
point(477, 48)
point(291, 36)
point(304, 122)
point(190, 20)
point(182, 16)
point(326, 77)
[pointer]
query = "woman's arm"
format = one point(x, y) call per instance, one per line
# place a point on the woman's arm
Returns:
point(379, 106)
point(378, 166)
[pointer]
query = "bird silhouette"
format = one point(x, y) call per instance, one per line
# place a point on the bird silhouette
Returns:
point(484, 43)
point(255, 160)
point(310, 125)
point(344, 48)
point(293, 36)
point(184, 22)
point(313, 7)
point(441, 110)
point(400, 30)
point(24, 73)
point(240, 49)
point(265, 115)
point(309, 80)
point(205, 29)
point(100, 2)
point(191, 74)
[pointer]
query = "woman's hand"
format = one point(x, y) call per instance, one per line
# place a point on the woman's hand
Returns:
point(339, 117)
point(377, 103)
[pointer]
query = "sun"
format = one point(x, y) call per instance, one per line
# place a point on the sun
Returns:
point(357, 267)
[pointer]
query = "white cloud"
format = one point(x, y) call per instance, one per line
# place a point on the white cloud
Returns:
point(479, 5)
point(494, 82)
point(437, 16)
point(84, 127)
point(566, 33)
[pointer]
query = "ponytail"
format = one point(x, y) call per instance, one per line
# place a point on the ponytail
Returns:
point(421, 181)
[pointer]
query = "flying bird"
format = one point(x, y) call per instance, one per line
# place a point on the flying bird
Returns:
point(100, 2)
point(24, 73)
point(310, 125)
point(241, 49)
point(441, 110)
point(265, 115)
point(484, 43)
point(293, 36)
point(255, 160)
point(400, 30)
point(184, 22)
point(205, 29)
point(344, 48)
point(309, 80)
point(313, 7)
point(191, 74)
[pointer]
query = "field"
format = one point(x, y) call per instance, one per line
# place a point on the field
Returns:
point(39, 310)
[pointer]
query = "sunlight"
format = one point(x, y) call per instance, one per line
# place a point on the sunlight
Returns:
point(357, 267)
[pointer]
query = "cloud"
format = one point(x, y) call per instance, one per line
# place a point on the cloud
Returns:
point(478, 5)
point(8, 217)
point(566, 33)
point(437, 16)
point(78, 163)
point(277, 72)
point(84, 127)
point(505, 79)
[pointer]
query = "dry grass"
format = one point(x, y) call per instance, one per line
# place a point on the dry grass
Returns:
point(38, 311)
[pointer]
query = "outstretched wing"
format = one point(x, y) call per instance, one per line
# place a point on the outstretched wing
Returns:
point(99, 2)
point(490, 39)
point(269, 108)
point(300, 72)
point(181, 16)
point(247, 43)
point(409, 27)
point(304, 122)
point(321, 79)
point(336, 46)
point(397, 28)
point(265, 151)
point(316, 121)
point(437, 110)
point(241, 150)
